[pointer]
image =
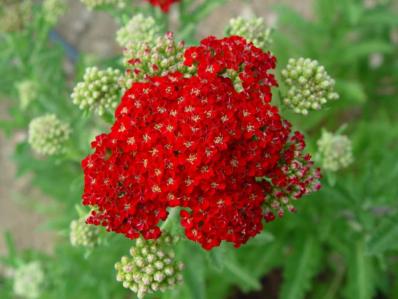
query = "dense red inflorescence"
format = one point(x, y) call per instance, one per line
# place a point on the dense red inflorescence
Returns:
point(163, 4)
point(225, 157)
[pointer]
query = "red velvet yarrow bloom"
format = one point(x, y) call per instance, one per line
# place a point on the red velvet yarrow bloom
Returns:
point(163, 4)
point(226, 157)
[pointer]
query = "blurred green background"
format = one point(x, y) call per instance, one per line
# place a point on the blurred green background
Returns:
point(342, 242)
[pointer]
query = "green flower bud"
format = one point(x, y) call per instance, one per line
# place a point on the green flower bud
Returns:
point(144, 271)
point(14, 15)
point(92, 4)
point(334, 151)
point(85, 235)
point(253, 30)
point(29, 280)
point(139, 29)
point(99, 91)
point(156, 58)
point(48, 135)
point(309, 86)
point(27, 93)
point(53, 10)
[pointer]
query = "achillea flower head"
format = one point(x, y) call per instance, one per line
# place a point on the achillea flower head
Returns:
point(140, 29)
point(92, 4)
point(301, 178)
point(53, 10)
point(309, 85)
point(48, 135)
point(83, 235)
point(224, 156)
point(163, 4)
point(254, 30)
point(151, 266)
point(28, 280)
point(334, 151)
point(99, 91)
point(27, 92)
point(14, 15)
point(158, 58)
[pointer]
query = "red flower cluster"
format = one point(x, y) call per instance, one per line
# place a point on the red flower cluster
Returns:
point(163, 4)
point(224, 156)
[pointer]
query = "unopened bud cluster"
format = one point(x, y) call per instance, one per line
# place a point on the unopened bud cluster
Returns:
point(150, 267)
point(254, 30)
point(27, 92)
point(28, 280)
point(334, 151)
point(48, 135)
point(99, 90)
point(144, 60)
point(14, 14)
point(83, 234)
point(53, 10)
point(91, 4)
point(309, 85)
point(138, 30)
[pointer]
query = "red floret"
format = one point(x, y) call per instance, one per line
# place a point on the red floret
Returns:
point(163, 4)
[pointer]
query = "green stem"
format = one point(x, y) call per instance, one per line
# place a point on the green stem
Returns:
point(335, 285)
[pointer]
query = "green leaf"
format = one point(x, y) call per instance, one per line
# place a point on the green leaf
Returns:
point(351, 91)
point(379, 18)
point(300, 268)
point(289, 16)
point(194, 274)
point(205, 9)
point(268, 257)
point(360, 282)
point(384, 238)
point(244, 277)
point(363, 49)
point(216, 258)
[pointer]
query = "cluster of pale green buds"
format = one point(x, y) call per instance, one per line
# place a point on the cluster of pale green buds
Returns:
point(27, 92)
point(99, 91)
point(309, 85)
point(83, 234)
point(14, 14)
point(53, 10)
point(157, 58)
point(254, 30)
point(140, 29)
point(48, 135)
point(334, 151)
point(91, 4)
point(29, 280)
point(151, 266)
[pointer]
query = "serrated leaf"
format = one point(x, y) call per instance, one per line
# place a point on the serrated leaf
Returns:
point(300, 268)
point(244, 277)
point(269, 257)
point(360, 283)
point(216, 258)
point(384, 238)
point(194, 275)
